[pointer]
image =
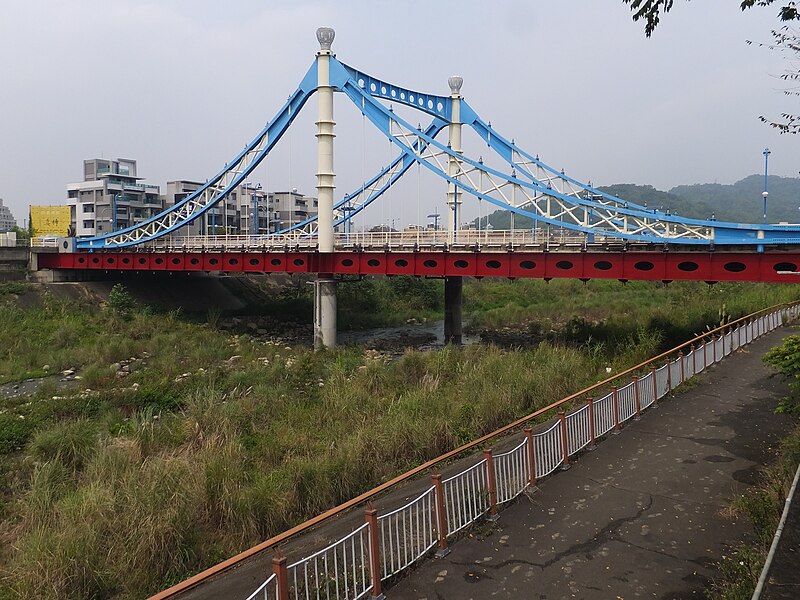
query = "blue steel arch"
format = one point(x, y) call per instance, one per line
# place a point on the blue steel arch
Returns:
point(364, 90)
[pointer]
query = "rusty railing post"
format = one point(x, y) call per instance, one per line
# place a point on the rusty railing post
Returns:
point(531, 457)
point(655, 385)
point(562, 417)
point(441, 515)
point(616, 409)
point(281, 574)
point(492, 482)
point(636, 399)
point(371, 517)
point(590, 404)
point(669, 375)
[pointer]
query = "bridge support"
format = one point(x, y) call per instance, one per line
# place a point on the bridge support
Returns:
point(324, 312)
point(453, 292)
point(325, 286)
point(454, 131)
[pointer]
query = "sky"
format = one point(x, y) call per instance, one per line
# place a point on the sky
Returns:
point(182, 85)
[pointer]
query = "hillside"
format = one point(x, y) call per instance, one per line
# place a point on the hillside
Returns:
point(740, 202)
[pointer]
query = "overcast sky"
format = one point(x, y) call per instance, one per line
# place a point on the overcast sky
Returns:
point(182, 85)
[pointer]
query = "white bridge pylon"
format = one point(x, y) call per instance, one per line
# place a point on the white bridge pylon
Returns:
point(524, 185)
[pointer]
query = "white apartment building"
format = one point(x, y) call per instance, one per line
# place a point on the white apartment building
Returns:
point(110, 197)
point(7, 221)
point(275, 210)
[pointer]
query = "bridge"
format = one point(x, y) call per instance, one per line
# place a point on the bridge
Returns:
point(578, 230)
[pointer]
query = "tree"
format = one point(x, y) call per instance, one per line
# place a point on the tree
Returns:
point(784, 39)
point(651, 10)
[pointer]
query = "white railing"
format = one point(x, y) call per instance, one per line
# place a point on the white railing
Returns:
point(548, 450)
point(466, 497)
point(578, 432)
point(512, 470)
point(604, 420)
point(267, 590)
point(407, 533)
point(501, 240)
point(340, 571)
point(355, 565)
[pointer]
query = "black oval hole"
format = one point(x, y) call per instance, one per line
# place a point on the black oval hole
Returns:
point(401, 262)
point(111, 260)
point(527, 264)
point(735, 267)
point(564, 265)
point(254, 261)
point(461, 264)
point(195, 261)
point(275, 262)
point(298, 262)
point(373, 262)
point(493, 264)
point(159, 261)
point(233, 261)
point(688, 265)
point(213, 261)
point(142, 261)
point(602, 265)
point(347, 262)
point(126, 260)
point(785, 266)
point(643, 265)
point(176, 261)
point(83, 260)
point(95, 260)
point(431, 263)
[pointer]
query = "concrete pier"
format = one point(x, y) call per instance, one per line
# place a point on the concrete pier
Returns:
point(453, 293)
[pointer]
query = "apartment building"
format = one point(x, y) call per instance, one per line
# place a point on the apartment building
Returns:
point(7, 221)
point(110, 197)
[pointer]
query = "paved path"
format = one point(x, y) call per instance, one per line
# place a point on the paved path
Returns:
point(643, 516)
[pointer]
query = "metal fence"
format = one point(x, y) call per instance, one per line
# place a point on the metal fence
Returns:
point(356, 565)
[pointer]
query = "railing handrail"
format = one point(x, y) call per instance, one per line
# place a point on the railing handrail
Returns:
point(315, 521)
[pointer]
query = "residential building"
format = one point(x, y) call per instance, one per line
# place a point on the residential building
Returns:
point(7, 221)
point(110, 197)
point(291, 208)
point(276, 210)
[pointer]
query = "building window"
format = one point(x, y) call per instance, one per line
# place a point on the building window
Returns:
point(88, 224)
point(88, 208)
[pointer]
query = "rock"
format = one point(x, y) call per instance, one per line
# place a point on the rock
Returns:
point(125, 368)
point(234, 358)
point(77, 377)
point(252, 326)
point(46, 368)
point(122, 374)
point(68, 372)
point(261, 330)
point(115, 367)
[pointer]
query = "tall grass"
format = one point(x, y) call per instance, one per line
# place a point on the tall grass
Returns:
point(122, 490)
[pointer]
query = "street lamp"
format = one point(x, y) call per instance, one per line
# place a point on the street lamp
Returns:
point(254, 214)
point(765, 193)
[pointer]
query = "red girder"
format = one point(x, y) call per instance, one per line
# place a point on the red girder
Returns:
point(653, 266)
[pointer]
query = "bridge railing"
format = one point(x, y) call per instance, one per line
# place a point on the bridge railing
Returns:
point(488, 240)
point(357, 564)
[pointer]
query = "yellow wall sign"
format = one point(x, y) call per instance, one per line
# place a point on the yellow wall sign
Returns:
point(50, 220)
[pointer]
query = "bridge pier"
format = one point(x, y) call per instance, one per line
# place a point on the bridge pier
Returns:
point(324, 311)
point(453, 293)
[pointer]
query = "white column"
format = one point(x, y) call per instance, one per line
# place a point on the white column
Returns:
point(454, 130)
point(325, 286)
point(325, 135)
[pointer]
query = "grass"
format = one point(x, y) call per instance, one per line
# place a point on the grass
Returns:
point(122, 486)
